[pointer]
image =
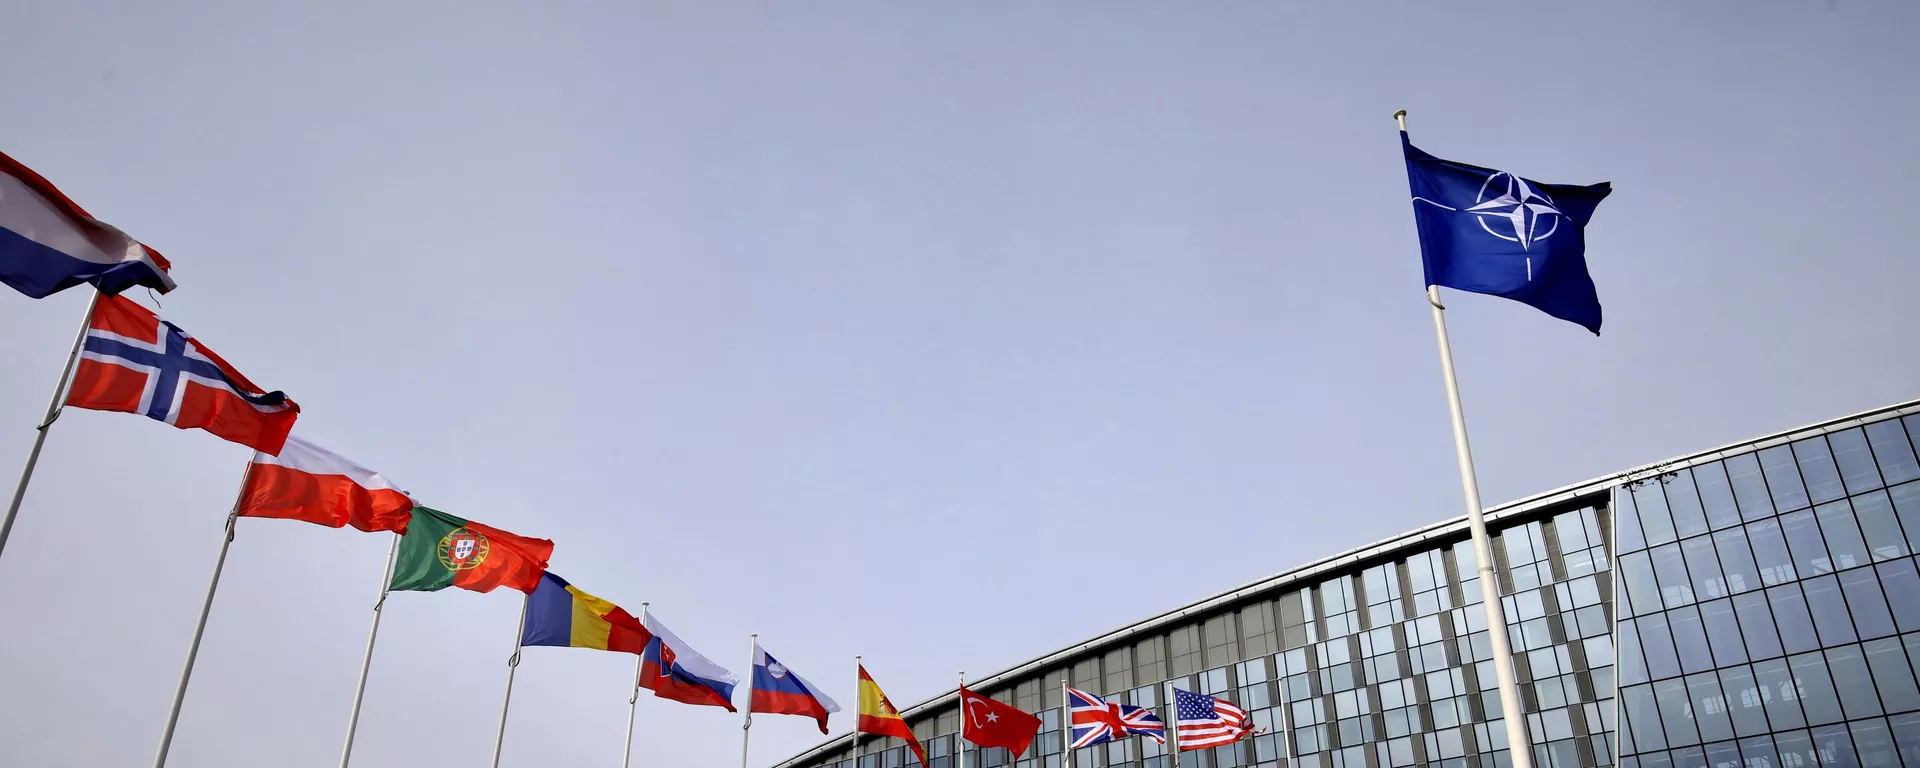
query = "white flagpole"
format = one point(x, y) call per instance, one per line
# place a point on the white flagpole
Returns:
point(366, 662)
point(633, 702)
point(200, 629)
point(746, 720)
point(1173, 725)
point(1066, 720)
point(960, 744)
point(46, 422)
point(513, 662)
point(1520, 749)
point(859, 693)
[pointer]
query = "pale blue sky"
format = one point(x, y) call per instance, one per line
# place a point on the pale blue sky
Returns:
point(911, 330)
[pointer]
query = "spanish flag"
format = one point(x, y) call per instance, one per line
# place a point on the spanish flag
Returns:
point(563, 615)
point(878, 717)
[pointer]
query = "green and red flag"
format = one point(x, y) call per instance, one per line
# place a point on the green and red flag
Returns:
point(441, 551)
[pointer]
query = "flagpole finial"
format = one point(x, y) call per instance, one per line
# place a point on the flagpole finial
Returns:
point(1400, 116)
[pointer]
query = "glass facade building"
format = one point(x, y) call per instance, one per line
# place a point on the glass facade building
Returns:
point(1754, 606)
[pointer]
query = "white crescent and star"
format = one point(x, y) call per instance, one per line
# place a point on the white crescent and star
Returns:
point(974, 714)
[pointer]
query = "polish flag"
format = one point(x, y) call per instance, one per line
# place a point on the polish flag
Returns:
point(309, 483)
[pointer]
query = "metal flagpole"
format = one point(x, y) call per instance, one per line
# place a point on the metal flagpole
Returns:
point(1520, 749)
point(366, 662)
point(53, 412)
point(746, 724)
point(859, 694)
point(1173, 725)
point(513, 662)
point(960, 744)
point(633, 702)
point(199, 630)
point(1066, 720)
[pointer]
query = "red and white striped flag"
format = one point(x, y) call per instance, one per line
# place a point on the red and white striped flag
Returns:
point(1204, 721)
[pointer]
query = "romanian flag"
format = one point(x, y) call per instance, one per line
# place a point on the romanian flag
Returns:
point(563, 615)
point(441, 551)
point(878, 717)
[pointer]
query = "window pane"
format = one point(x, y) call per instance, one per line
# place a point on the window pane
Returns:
point(1878, 524)
point(1803, 538)
point(1709, 707)
point(1816, 466)
point(1829, 610)
point(1689, 519)
point(1716, 495)
point(1790, 616)
point(1906, 736)
point(1675, 589)
point(1690, 639)
point(1777, 694)
point(1843, 535)
point(1643, 717)
point(1656, 646)
point(1633, 664)
point(1856, 462)
point(1626, 521)
point(1902, 585)
point(1737, 560)
point(1770, 552)
point(1704, 566)
point(1651, 500)
point(1892, 674)
point(1848, 666)
point(1875, 744)
point(1749, 487)
point(1893, 452)
point(1723, 632)
point(1744, 701)
point(1869, 609)
point(1636, 576)
point(1816, 689)
point(1675, 714)
point(1783, 478)
point(1756, 625)
point(1834, 746)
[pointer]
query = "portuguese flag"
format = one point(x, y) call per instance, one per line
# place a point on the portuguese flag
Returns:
point(441, 551)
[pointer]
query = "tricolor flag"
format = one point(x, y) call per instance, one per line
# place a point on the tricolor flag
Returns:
point(312, 484)
point(781, 691)
point(49, 244)
point(676, 672)
point(880, 718)
point(441, 551)
point(135, 362)
point(563, 615)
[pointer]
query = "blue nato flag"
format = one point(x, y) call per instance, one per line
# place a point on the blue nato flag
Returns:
point(1492, 232)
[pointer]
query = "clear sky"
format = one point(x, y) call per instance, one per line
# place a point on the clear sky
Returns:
point(949, 334)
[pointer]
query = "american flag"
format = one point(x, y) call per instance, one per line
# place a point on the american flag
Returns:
point(1096, 721)
point(1204, 721)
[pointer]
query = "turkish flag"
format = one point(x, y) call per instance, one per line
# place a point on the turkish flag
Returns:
point(990, 723)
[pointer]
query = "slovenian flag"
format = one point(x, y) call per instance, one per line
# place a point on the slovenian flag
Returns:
point(48, 243)
point(781, 691)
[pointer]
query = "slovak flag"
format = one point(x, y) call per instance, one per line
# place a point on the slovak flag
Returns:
point(781, 691)
point(135, 362)
point(49, 244)
point(673, 671)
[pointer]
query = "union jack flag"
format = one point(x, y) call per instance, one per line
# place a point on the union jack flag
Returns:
point(1095, 721)
point(1204, 721)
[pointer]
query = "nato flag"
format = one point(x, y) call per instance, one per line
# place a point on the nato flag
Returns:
point(1489, 231)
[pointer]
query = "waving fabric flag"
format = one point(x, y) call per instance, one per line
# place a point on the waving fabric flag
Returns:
point(49, 244)
point(309, 483)
point(135, 362)
point(1204, 721)
point(781, 691)
point(991, 723)
point(878, 716)
point(441, 551)
point(676, 672)
point(563, 615)
point(1095, 721)
point(1492, 232)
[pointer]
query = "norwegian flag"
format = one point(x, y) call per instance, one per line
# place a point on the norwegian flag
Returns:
point(1204, 721)
point(1095, 721)
point(136, 362)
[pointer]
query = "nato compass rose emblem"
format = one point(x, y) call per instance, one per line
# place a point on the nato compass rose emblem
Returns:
point(1509, 208)
point(463, 549)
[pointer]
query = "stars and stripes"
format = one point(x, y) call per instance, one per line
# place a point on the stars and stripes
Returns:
point(1204, 721)
point(1096, 721)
